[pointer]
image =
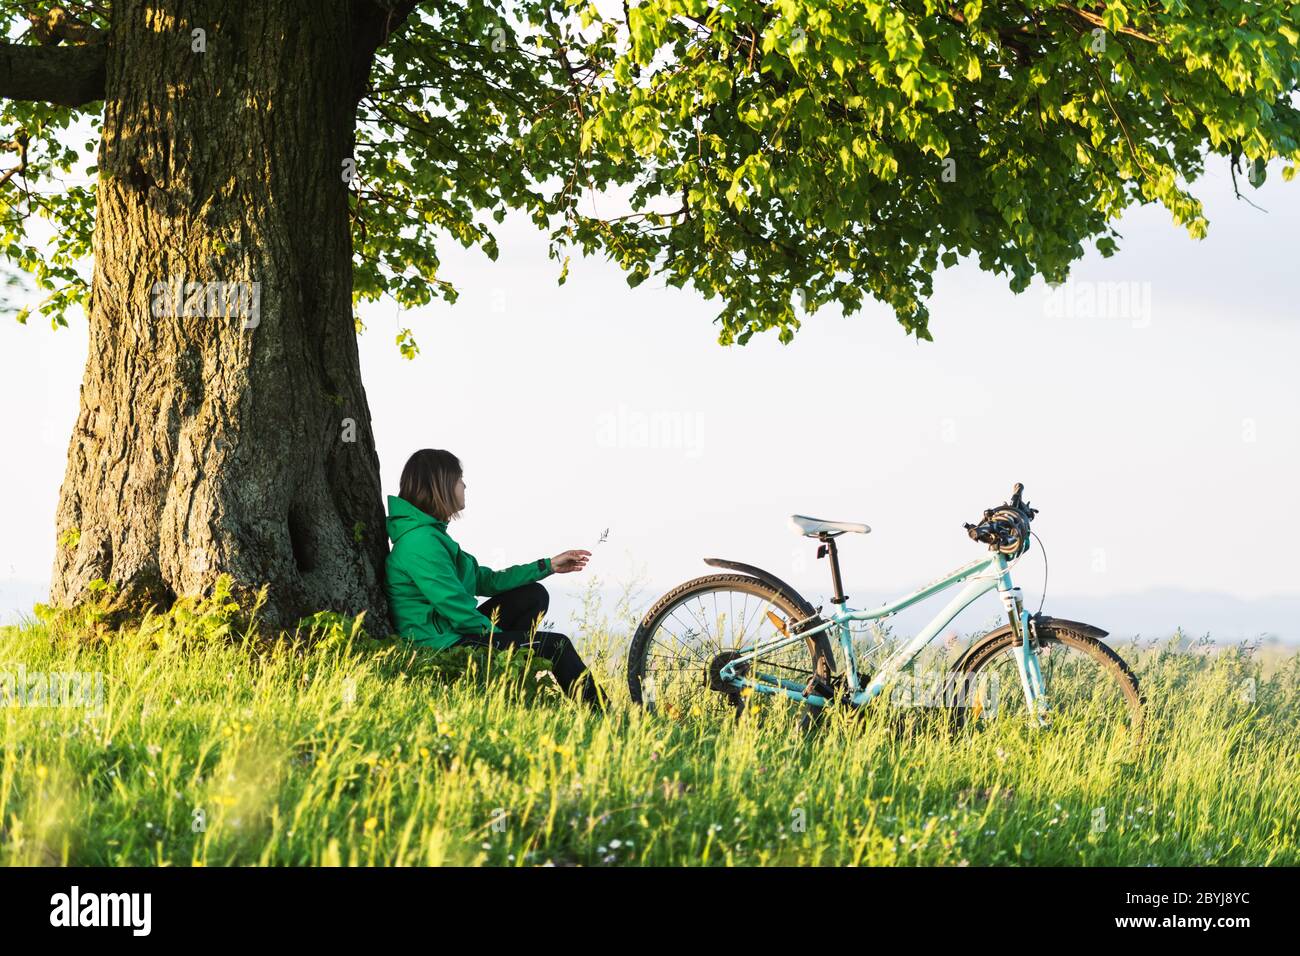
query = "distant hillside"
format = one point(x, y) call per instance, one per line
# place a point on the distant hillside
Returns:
point(1152, 613)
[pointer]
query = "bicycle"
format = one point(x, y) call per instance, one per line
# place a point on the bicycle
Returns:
point(1032, 652)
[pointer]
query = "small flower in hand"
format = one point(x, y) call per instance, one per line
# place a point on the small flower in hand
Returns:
point(567, 561)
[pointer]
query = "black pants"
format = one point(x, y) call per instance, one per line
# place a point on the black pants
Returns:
point(519, 610)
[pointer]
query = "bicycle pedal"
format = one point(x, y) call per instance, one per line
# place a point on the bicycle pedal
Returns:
point(820, 688)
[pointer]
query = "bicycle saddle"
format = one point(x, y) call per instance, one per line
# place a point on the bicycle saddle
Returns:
point(812, 527)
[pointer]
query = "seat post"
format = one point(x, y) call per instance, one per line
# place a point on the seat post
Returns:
point(828, 547)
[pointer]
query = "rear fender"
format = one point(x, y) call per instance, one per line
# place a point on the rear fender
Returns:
point(767, 578)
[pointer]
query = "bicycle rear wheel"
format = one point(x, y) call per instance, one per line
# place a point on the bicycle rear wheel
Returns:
point(685, 635)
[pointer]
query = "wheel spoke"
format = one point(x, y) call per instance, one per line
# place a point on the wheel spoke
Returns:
point(675, 656)
point(1083, 691)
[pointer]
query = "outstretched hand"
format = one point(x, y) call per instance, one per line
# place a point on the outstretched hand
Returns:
point(567, 561)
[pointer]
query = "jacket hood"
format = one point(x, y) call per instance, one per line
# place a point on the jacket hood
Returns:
point(404, 516)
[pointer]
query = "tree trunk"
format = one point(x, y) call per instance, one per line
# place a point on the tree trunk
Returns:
point(234, 443)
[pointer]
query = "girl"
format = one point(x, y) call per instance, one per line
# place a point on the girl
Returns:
point(432, 584)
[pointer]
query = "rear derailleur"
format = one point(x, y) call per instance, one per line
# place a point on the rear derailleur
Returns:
point(715, 681)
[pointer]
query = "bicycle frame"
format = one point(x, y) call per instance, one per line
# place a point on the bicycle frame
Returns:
point(981, 577)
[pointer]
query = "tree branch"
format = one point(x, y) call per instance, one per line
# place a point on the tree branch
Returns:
point(374, 21)
point(1097, 21)
point(19, 143)
point(65, 75)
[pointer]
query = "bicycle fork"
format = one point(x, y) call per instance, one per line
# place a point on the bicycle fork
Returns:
point(1025, 652)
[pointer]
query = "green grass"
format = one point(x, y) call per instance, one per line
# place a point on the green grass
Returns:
point(214, 747)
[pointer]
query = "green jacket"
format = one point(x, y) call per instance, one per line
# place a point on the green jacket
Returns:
point(432, 583)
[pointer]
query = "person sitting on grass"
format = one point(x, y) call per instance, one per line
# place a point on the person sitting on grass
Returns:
point(432, 583)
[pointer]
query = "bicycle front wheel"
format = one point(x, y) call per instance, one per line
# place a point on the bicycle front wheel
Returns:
point(1090, 691)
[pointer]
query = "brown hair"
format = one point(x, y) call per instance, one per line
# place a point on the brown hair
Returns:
point(429, 482)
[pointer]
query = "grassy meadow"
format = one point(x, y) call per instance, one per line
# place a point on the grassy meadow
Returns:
point(212, 746)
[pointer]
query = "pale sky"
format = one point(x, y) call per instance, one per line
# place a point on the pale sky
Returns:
point(1161, 445)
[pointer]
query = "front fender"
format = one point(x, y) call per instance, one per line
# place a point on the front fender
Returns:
point(1040, 620)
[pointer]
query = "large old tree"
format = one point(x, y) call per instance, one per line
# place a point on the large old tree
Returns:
point(782, 156)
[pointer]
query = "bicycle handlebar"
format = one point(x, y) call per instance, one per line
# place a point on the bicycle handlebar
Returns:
point(989, 532)
point(1016, 492)
point(1006, 527)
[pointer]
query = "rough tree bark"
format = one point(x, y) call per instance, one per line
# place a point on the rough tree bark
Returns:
point(204, 447)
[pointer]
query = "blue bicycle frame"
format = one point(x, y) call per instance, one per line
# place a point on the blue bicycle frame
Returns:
point(981, 577)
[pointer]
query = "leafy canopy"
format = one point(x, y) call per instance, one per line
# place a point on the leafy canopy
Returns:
point(780, 156)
